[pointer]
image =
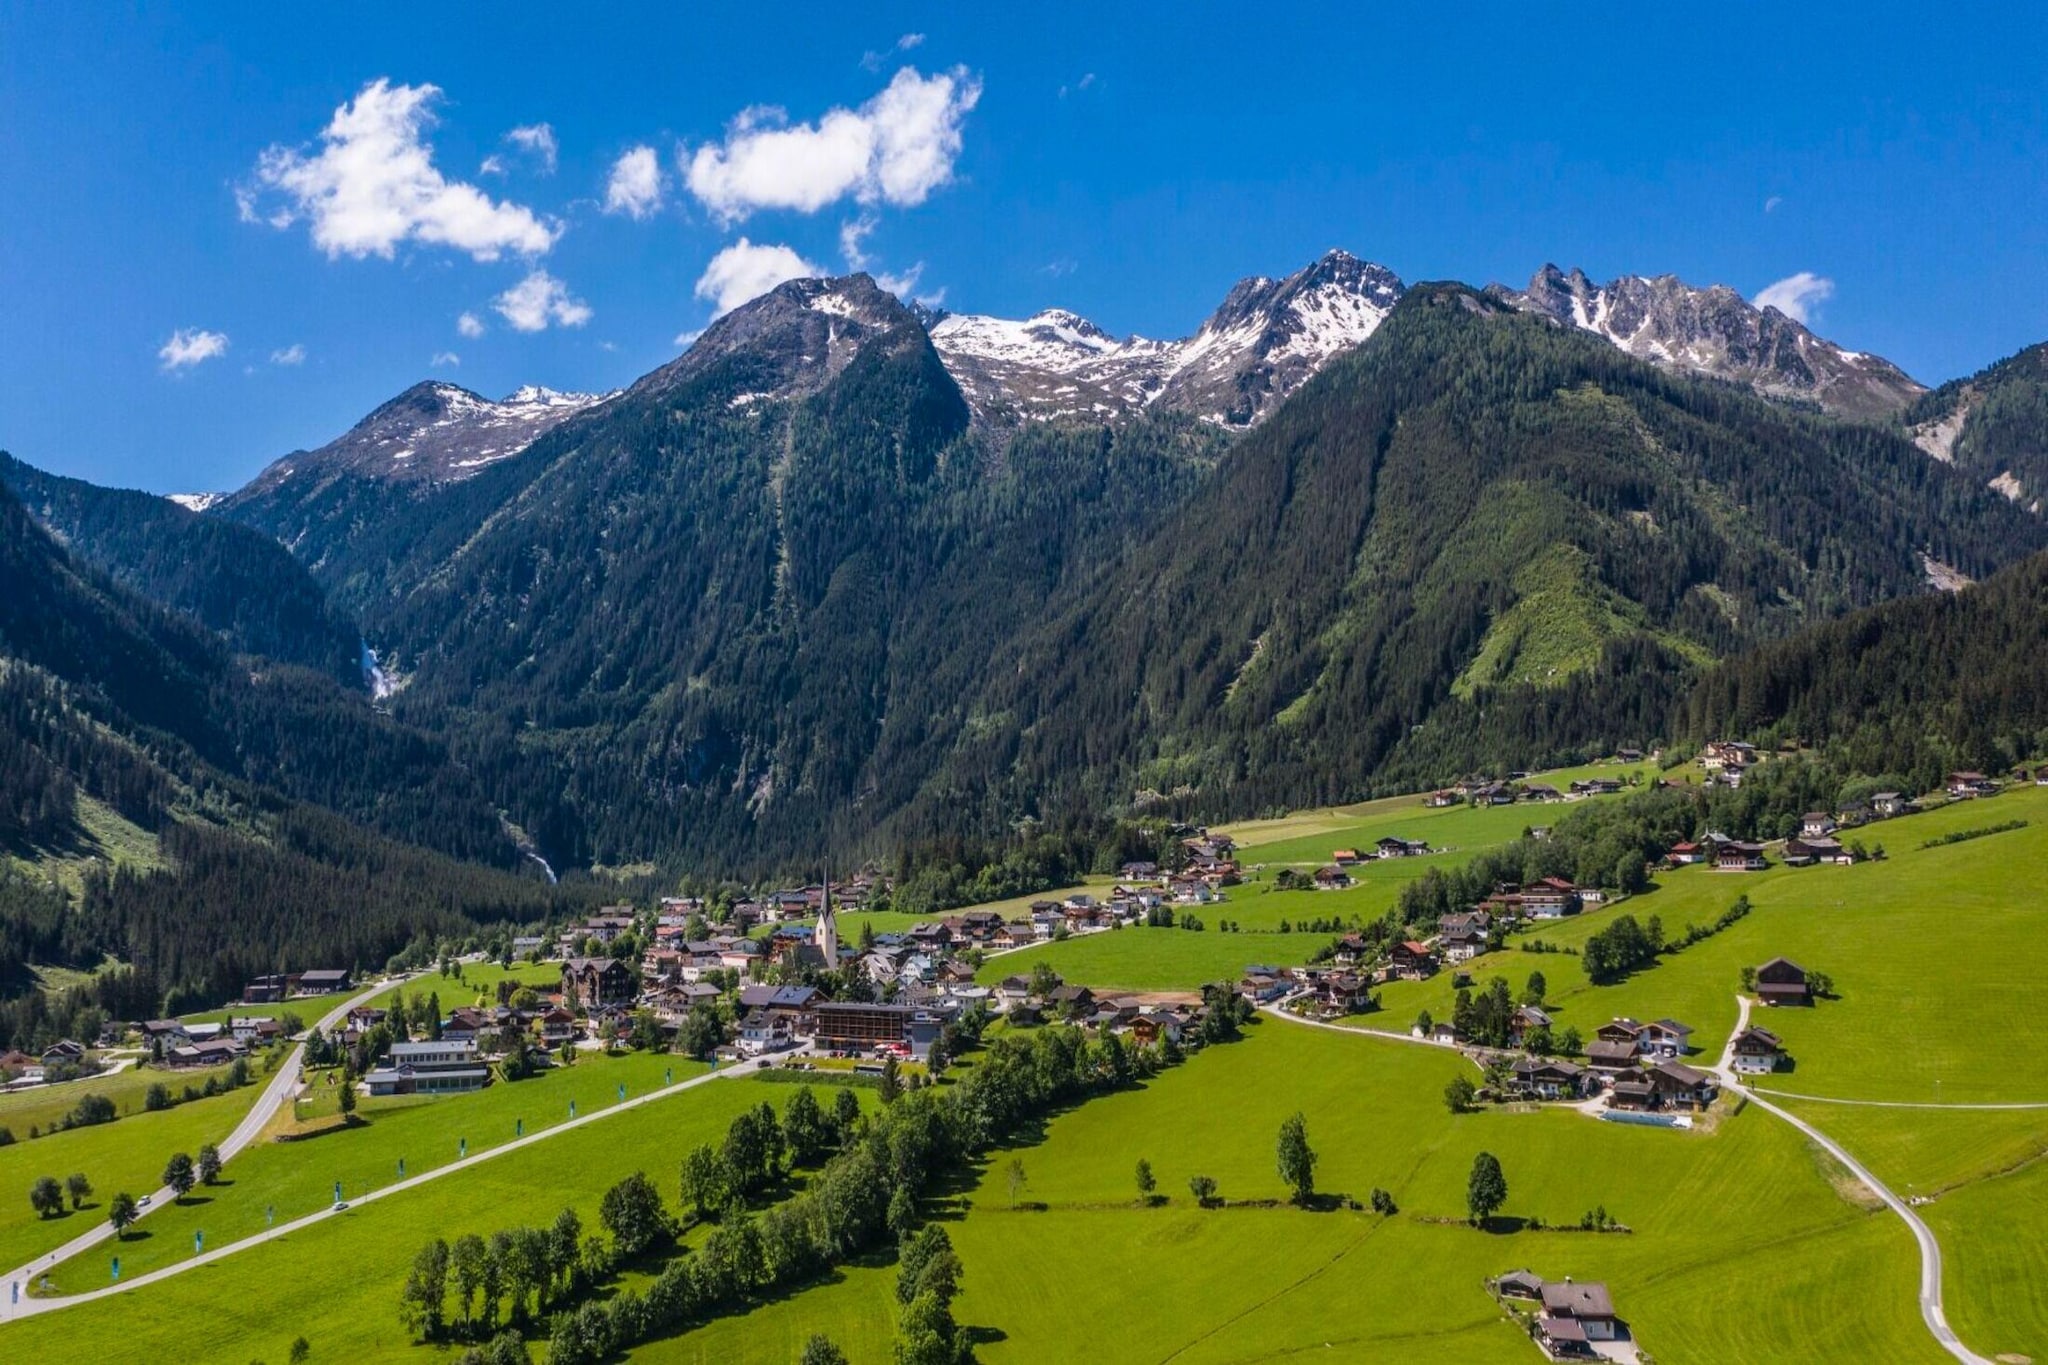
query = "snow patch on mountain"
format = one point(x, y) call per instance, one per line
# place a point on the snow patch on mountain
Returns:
point(1267, 339)
point(195, 502)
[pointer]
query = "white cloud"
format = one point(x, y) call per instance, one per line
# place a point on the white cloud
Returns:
point(908, 41)
point(190, 346)
point(684, 338)
point(1086, 80)
point(373, 184)
point(470, 325)
point(744, 271)
point(539, 299)
point(636, 184)
point(1771, 204)
point(1796, 295)
point(537, 140)
point(444, 358)
point(896, 148)
point(294, 354)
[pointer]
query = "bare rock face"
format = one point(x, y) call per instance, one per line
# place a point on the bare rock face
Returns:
point(432, 433)
point(790, 341)
point(1718, 333)
point(1267, 339)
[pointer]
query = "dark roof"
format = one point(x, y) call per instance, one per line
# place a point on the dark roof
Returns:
point(1578, 1299)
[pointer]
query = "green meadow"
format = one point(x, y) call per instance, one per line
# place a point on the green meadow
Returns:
point(293, 1179)
point(1140, 959)
point(336, 1282)
point(43, 1105)
point(125, 1155)
point(1741, 1250)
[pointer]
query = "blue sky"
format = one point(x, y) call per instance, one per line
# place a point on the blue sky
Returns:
point(225, 240)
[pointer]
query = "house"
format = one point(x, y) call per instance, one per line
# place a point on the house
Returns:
point(1733, 855)
point(1463, 937)
point(591, 982)
point(1722, 755)
point(255, 1029)
point(1332, 878)
point(1756, 1051)
point(1344, 857)
point(1411, 961)
point(1139, 871)
point(1577, 1311)
point(169, 1031)
point(1012, 991)
point(1816, 824)
point(1439, 799)
point(1546, 1078)
point(322, 983)
point(1964, 786)
point(558, 1026)
point(1261, 987)
point(763, 1032)
point(1782, 982)
point(1519, 1284)
point(442, 1068)
point(1395, 847)
point(1527, 1020)
point(1667, 1085)
point(1685, 854)
point(214, 1052)
point(1612, 1056)
point(65, 1052)
point(1804, 852)
point(1071, 1000)
point(1891, 804)
point(267, 990)
point(1153, 1025)
point(1551, 898)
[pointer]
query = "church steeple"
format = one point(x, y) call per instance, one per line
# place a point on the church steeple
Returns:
point(827, 935)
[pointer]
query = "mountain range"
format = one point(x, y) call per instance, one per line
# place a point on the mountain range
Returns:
point(851, 573)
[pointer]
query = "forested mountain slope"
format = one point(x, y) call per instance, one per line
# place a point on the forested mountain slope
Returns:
point(142, 708)
point(1917, 687)
point(731, 614)
point(110, 702)
point(237, 582)
point(1993, 426)
point(1478, 515)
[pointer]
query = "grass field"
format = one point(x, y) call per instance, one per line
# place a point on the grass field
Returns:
point(1140, 959)
point(478, 984)
point(298, 1178)
point(40, 1106)
point(1698, 1278)
point(337, 1282)
point(1929, 950)
point(127, 1154)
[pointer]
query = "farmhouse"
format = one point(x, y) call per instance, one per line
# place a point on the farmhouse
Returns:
point(1804, 852)
point(1574, 1314)
point(1722, 755)
point(1755, 1051)
point(1734, 855)
point(1411, 961)
point(1609, 1055)
point(1816, 824)
point(1394, 847)
point(322, 983)
point(1664, 1038)
point(1890, 804)
point(1551, 898)
point(1964, 786)
point(1439, 799)
point(1782, 982)
point(1332, 878)
point(1548, 1079)
point(1667, 1085)
point(1685, 854)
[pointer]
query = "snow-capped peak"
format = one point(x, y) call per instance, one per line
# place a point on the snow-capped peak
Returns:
point(1267, 339)
point(195, 502)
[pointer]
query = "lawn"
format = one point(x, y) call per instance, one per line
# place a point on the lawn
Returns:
point(43, 1105)
point(297, 1178)
point(337, 1282)
point(127, 1154)
point(1261, 1283)
point(1995, 1262)
point(1139, 959)
point(477, 984)
point(1929, 950)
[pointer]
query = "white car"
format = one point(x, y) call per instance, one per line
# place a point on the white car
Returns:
point(340, 1204)
point(142, 1203)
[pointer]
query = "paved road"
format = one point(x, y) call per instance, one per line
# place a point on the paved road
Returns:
point(28, 1307)
point(284, 1084)
point(1274, 1009)
point(1894, 1104)
point(1930, 1250)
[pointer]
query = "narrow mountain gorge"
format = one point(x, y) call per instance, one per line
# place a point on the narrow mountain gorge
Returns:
point(1993, 426)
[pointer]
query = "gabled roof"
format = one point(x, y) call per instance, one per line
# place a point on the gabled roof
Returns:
point(1578, 1299)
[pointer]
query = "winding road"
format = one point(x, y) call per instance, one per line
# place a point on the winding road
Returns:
point(14, 1298)
point(1930, 1250)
